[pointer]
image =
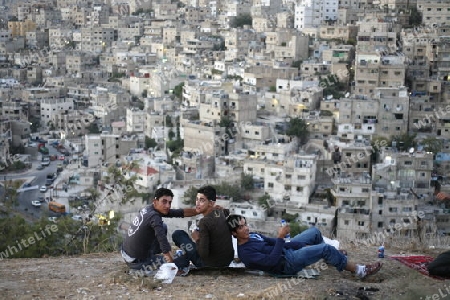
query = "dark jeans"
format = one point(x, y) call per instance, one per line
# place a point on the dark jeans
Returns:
point(153, 260)
point(183, 241)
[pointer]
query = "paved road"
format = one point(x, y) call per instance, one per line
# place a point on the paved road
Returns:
point(39, 178)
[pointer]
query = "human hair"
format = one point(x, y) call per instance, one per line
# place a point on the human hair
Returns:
point(208, 191)
point(233, 222)
point(163, 192)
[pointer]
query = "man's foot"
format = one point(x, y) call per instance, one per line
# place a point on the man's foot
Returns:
point(368, 270)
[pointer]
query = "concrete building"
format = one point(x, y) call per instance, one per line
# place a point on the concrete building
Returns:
point(52, 109)
point(136, 120)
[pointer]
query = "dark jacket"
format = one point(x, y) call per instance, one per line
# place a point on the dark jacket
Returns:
point(215, 245)
point(266, 255)
point(145, 229)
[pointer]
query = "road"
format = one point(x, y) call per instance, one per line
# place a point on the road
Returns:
point(40, 176)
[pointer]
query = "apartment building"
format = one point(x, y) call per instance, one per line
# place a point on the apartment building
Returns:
point(13, 109)
point(358, 118)
point(20, 133)
point(291, 180)
point(393, 112)
point(154, 124)
point(264, 76)
point(97, 39)
point(52, 109)
point(74, 124)
point(435, 13)
point(309, 13)
point(287, 45)
point(36, 39)
point(206, 138)
point(352, 196)
point(341, 32)
point(20, 28)
point(136, 120)
point(238, 107)
point(107, 148)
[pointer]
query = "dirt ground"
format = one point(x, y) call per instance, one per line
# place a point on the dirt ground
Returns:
point(103, 276)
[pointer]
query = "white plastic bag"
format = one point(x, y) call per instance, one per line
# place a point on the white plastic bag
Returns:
point(167, 272)
point(334, 243)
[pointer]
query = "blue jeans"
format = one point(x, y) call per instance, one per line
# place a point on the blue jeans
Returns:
point(296, 260)
point(183, 241)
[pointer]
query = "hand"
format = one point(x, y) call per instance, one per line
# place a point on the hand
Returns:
point(283, 230)
point(195, 235)
point(168, 257)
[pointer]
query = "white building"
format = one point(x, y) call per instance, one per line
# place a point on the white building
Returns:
point(136, 120)
point(311, 13)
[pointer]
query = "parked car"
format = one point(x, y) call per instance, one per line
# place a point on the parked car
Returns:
point(40, 167)
point(41, 199)
point(43, 189)
point(77, 218)
point(36, 203)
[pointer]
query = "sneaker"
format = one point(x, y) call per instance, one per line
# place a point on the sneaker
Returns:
point(368, 270)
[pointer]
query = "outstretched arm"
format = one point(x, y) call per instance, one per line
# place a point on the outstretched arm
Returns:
point(190, 212)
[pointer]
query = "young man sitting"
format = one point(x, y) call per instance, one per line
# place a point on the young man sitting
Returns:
point(274, 256)
point(211, 244)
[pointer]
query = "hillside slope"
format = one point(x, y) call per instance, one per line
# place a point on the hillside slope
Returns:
point(103, 276)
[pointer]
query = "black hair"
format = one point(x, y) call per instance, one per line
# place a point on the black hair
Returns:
point(163, 192)
point(233, 222)
point(208, 191)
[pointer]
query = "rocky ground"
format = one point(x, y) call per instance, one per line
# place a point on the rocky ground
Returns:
point(104, 276)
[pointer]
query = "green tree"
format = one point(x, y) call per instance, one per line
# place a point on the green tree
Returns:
point(298, 128)
point(405, 141)
point(296, 64)
point(178, 90)
point(93, 128)
point(415, 19)
point(171, 134)
point(432, 144)
point(169, 121)
point(246, 181)
point(241, 20)
point(190, 195)
point(150, 143)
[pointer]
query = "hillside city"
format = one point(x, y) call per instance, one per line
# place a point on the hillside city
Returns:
point(334, 112)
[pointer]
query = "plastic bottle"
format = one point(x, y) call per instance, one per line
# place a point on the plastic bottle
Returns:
point(287, 238)
point(381, 251)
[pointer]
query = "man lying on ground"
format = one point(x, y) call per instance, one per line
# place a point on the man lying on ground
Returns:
point(274, 256)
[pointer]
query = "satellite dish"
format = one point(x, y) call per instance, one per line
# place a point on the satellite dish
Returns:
point(399, 107)
point(411, 150)
point(329, 97)
point(347, 94)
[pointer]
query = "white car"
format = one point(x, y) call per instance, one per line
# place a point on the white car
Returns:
point(77, 218)
point(43, 189)
point(36, 203)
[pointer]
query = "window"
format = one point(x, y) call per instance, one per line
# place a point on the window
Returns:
point(365, 190)
point(380, 224)
point(407, 209)
point(299, 189)
point(270, 185)
point(346, 222)
point(360, 223)
point(393, 209)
